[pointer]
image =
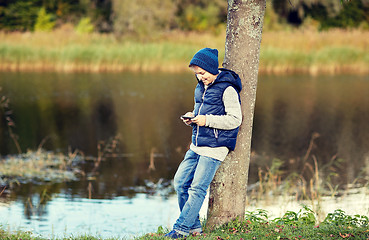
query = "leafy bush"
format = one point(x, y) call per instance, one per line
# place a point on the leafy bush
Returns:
point(339, 218)
point(84, 26)
point(44, 21)
point(303, 216)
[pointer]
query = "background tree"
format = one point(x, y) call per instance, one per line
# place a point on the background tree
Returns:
point(329, 13)
point(242, 50)
point(201, 15)
point(142, 17)
point(44, 22)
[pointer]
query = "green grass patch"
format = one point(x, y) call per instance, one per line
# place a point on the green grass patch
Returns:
point(293, 225)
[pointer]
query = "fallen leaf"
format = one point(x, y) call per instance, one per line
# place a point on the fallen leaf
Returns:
point(346, 235)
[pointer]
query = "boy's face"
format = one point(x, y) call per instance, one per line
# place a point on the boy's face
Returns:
point(204, 76)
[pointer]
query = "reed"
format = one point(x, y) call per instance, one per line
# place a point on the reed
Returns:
point(335, 51)
point(39, 166)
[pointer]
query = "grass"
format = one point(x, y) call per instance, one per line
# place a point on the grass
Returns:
point(285, 51)
point(257, 225)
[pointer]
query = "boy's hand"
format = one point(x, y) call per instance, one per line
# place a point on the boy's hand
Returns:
point(199, 120)
point(187, 121)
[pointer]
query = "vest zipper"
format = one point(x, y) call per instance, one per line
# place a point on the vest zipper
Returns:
point(198, 127)
point(216, 133)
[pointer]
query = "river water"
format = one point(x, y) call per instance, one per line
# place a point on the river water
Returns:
point(324, 116)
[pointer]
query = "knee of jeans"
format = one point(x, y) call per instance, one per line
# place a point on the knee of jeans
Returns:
point(198, 190)
point(178, 185)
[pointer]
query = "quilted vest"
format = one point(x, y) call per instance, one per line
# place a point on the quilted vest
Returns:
point(210, 101)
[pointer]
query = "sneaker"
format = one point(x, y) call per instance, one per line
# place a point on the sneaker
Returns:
point(173, 234)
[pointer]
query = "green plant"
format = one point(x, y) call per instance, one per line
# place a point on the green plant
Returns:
point(44, 21)
point(257, 216)
point(303, 216)
point(339, 218)
point(84, 26)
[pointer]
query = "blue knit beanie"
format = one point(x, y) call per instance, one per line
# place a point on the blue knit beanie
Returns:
point(206, 59)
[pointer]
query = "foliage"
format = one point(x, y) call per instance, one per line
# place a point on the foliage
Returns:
point(271, 19)
point(44, 21)
point(352, 14)
point(148, 17)
point(329, 13)
point(339, 218)
point(201, 15)
point(303, 216)
point(18, 15)
point(142, 17)
point(85, 26)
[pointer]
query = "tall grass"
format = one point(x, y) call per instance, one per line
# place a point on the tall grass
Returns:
point(334, 51)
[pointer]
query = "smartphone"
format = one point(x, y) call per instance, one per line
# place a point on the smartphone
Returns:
point(186, 117)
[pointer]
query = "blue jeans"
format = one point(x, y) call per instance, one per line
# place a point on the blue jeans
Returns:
point(191, 182)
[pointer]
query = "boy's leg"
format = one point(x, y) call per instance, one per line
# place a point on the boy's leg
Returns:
point(204, 174)
point(184, 175)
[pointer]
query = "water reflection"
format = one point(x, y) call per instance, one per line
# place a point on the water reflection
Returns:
point(331, 110)
point(298, 119)
point(81, 110)
point(121, 217)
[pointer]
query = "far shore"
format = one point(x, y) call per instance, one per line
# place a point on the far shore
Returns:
point(282, 52)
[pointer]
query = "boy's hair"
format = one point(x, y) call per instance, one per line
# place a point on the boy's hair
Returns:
point(206, 59)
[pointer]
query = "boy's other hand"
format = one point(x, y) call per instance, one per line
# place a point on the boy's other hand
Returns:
point(199, 120)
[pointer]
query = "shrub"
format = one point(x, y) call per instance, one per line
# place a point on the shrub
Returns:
point(44, 21)
point(84, 26)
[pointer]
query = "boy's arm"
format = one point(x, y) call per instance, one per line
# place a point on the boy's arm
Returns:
point(233, 116)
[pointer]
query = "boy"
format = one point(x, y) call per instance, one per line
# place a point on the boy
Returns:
point(215, 121)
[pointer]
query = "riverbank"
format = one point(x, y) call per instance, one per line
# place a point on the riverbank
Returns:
point(302, 51)
point(257, 225)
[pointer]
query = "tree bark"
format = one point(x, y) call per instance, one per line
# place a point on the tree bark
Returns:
point(227, 199)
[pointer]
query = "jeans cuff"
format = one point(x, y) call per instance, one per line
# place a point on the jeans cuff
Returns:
point(196, 230)
point(181, 232)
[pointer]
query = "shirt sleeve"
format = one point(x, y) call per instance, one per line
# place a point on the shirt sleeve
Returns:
point(233, 117)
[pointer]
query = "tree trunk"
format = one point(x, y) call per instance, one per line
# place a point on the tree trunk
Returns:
point(227, 199)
